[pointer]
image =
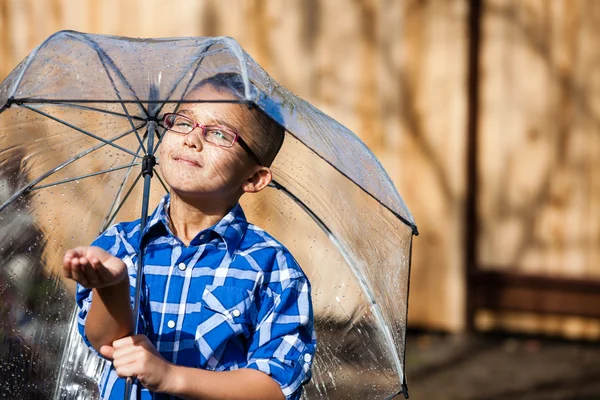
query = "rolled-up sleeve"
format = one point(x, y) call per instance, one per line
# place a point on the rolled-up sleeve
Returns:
point(283, 344)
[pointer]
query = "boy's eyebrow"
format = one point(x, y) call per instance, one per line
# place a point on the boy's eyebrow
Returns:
point(227, 124)
point(186, 112)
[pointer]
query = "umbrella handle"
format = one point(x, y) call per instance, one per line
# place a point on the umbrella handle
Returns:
point(148, 163)
point(128, 387)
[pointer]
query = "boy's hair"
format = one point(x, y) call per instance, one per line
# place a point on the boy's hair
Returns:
point(267, 134)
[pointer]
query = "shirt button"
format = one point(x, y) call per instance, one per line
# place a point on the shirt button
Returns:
point(182, 266)
point(171, 324)
point(307, 358)
point(236, 313)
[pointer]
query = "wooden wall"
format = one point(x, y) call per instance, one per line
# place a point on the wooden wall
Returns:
point(539, 148)
point(396, 73)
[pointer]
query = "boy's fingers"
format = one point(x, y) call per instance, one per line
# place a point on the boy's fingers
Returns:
point(127, 370)
point(90, 275)
point(75, 272)
point(71, 253)
point(107, 351)
point(103, 272)
point(67, 269)
point(120, 343)
point(126, 355)
point(68, 256)
point(99, 271)
point(129, 344)
point(77, 252)
point(98, 253)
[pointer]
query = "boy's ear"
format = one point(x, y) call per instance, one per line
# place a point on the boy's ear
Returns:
point(258, 181)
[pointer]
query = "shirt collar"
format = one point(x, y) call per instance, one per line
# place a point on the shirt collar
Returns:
point(231, 228)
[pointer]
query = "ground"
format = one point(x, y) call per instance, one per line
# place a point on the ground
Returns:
point(494, 367)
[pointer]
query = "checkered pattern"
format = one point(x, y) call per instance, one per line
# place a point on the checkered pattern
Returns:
point(234, 298)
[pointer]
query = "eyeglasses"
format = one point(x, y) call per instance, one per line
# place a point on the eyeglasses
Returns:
point(218, 135)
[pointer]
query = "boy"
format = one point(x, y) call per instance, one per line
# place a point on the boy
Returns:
point(225, 308)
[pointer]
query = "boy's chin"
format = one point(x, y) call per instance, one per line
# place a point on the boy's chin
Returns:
point(185, 185)
point(196, 193)
point(186, 191)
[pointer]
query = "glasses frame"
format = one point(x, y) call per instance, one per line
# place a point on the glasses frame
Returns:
point(237, 138)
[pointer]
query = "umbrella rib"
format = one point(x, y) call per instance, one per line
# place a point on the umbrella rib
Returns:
point(395, 394)
point(58, 168)
point(160, 137)
point(123, 202)
point(133, 126)
point(405, 387)
point(190, 80)
point(118, 194)
point(105, 58)
point(85, 176)
point(88, 108)
point(412, 225)
point(83, 131)
point(160, 180)
point(23, 100)
point(28, 62)
point(361, 281)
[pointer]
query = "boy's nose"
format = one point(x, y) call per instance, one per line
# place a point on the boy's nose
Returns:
point(194, 139)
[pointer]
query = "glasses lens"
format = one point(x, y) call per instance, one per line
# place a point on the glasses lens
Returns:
point(219, 135)
point(179, 123)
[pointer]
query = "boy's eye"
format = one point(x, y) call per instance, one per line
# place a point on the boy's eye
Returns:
point(181, 123)
point(219, 134)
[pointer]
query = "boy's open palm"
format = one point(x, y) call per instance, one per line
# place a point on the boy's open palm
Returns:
point(93, 267)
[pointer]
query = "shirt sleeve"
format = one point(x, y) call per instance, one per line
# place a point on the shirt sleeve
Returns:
point(284, 343)
point(111, 241)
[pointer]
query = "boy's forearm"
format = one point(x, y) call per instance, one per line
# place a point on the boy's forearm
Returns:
point(243, 384)
point(110, 316)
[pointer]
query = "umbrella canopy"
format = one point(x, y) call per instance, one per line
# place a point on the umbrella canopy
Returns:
point(79, 120)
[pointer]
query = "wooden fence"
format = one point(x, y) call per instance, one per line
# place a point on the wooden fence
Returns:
point(486, 115)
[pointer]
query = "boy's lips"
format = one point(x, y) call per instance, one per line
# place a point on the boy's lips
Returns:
point(187, 160)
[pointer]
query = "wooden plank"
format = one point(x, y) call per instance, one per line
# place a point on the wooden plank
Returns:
point(534, 293)
point(473, 89)
point(431, 154)
point(537, 164)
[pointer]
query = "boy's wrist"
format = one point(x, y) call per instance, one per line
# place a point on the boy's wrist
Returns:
point(174, 380)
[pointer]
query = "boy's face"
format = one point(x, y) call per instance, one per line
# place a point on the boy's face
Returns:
point(193, 167)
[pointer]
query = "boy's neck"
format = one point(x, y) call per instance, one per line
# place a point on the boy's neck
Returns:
point(188, 218)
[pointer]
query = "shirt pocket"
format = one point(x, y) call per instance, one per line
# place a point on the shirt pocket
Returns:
point(232, 304)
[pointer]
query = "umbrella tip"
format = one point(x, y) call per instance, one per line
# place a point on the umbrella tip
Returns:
point(415, 230)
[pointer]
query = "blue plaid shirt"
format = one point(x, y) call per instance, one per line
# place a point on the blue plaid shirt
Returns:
point(234, 298)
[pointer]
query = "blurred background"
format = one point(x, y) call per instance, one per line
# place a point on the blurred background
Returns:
point(486, 115)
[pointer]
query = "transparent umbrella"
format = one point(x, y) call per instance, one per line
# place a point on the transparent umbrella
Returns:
point(79, 128)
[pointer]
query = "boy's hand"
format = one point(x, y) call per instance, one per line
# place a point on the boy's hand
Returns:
point(92, 267)
point(137, 357)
